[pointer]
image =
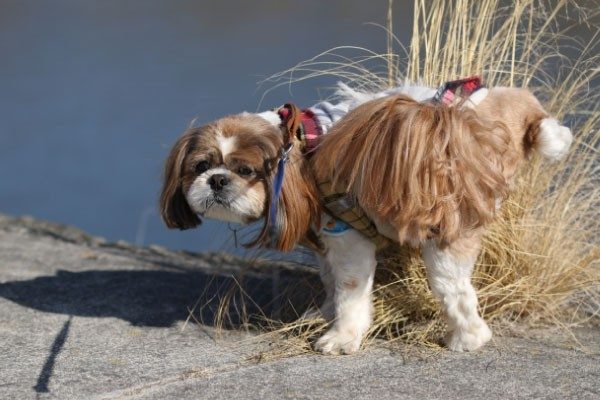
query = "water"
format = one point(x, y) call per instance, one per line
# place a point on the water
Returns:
point(93, 94)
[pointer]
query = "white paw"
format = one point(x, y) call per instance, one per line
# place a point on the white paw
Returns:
point(470, 339)
point(336, 341)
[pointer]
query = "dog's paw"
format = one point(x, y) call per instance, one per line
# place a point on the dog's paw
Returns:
point(470, 339)
point(336, 341)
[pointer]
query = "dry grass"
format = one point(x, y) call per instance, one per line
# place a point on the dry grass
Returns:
point(540, 263)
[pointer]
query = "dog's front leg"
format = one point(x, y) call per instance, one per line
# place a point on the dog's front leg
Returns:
point(350, 259)
point(449, 273)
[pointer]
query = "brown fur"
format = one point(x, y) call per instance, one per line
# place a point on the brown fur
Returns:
point(429, 170)
point(257, 144)
point(425, 170)
point(174, 209)
point(521, 113)
point(299, 204)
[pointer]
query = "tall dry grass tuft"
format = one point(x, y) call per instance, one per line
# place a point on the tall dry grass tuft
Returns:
point(540, 261)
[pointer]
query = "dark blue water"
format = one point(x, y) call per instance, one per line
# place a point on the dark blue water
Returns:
point(94, 93)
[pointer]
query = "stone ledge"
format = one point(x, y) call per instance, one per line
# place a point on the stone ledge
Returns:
point(84, 318)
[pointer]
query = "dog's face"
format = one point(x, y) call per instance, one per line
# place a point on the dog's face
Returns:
point(218, 171)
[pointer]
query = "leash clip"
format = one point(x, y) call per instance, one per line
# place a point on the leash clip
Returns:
point(285, 151)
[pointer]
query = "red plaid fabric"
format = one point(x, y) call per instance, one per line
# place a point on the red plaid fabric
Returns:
point(454, 92)
point(309, 129)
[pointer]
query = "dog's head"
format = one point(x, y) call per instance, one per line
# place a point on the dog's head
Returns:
point(224, 171)
point(218, 171)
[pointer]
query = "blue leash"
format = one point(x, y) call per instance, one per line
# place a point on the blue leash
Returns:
point(277, 185)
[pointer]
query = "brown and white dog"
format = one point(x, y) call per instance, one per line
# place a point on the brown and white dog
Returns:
point(426, 174)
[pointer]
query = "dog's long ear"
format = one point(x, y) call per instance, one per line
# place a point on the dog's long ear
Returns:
point(299, 205)
point(174, 208)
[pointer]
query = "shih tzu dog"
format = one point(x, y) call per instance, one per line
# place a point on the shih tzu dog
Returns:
point(409, 165)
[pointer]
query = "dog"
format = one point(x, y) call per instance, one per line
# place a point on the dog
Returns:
point(409, 165)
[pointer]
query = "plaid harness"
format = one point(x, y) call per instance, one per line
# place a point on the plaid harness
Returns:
point(456, 92)
point(346, 213)
point(307, 130)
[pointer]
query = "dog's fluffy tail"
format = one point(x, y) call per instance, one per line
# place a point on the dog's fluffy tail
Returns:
point(549, 138)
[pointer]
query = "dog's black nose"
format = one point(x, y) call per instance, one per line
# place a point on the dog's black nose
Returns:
point(217, 181)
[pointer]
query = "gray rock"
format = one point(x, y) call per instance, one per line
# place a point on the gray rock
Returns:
point(84, 318)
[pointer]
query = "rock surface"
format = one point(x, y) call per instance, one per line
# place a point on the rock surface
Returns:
point(83, 318)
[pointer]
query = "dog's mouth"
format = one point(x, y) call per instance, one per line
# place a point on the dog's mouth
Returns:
point(222, 208)
point(216, 200)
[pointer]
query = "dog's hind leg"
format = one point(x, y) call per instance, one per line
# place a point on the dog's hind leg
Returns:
point(351, 261)
point(449, 273)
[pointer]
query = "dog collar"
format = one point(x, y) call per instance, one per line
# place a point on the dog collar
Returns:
point(454, 92)
point(308, 129)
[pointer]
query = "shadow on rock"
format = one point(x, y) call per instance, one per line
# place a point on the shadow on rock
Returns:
point(160, 298)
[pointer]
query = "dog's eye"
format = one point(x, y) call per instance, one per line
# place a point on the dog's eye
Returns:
point(202, 166)
point(244, 170)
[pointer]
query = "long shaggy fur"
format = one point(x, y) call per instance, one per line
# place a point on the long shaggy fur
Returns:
point(257, 144)
point(429, 170)
point(298, 208)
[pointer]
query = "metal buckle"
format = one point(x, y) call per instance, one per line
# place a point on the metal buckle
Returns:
point(285, 151)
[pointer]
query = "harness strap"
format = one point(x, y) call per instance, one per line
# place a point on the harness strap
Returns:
point(342, 206)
